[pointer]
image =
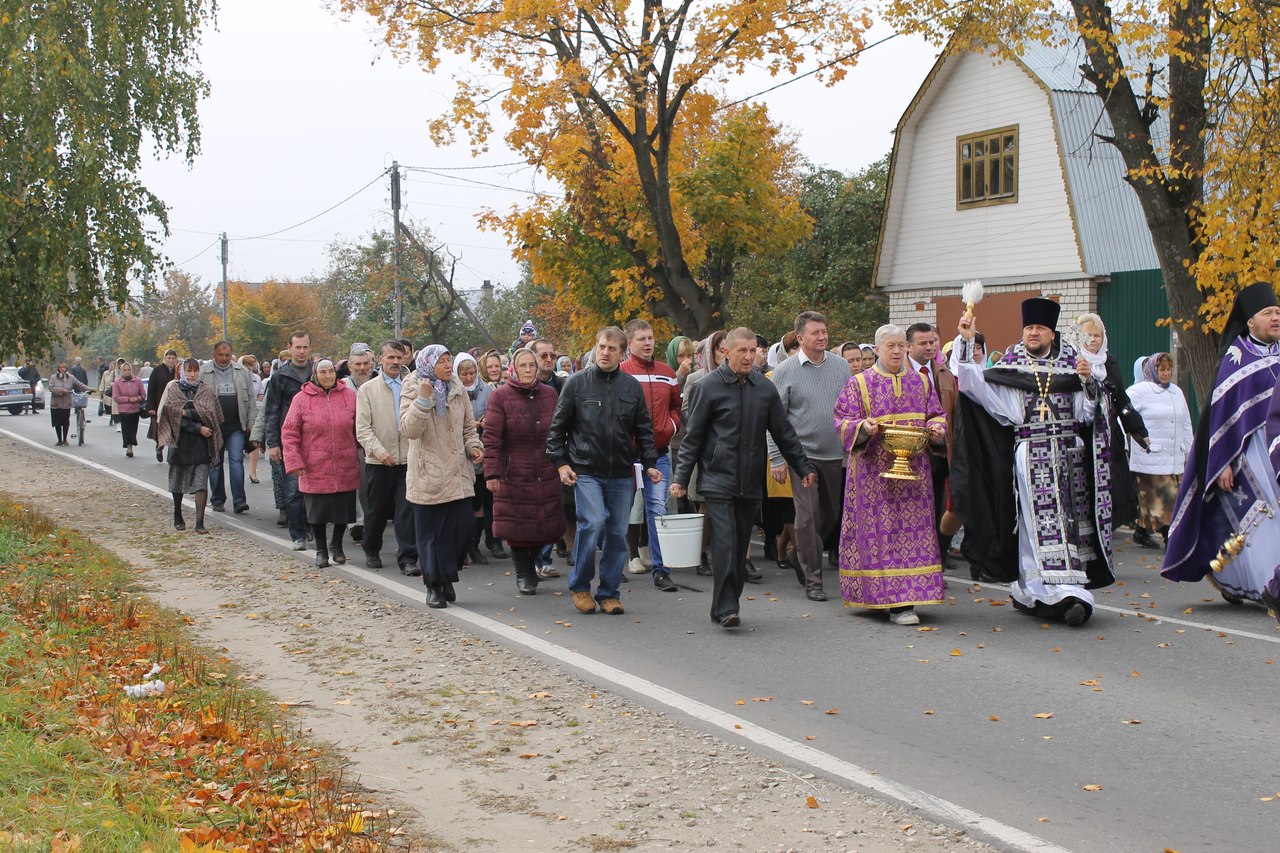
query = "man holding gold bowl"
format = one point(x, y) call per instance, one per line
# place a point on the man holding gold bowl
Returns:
point(886, 417)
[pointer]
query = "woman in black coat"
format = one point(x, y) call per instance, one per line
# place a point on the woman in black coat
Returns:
point(528, 500)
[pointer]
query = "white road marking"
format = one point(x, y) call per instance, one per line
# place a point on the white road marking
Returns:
point(1154, 618)
point(942, 810)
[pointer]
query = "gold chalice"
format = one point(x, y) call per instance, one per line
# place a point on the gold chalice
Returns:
point(903, 442)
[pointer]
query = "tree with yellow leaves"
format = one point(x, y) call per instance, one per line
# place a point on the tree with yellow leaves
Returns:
point(1210, 73)
point(612, 82)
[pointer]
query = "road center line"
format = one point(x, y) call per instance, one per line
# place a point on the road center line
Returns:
point(1155, 618)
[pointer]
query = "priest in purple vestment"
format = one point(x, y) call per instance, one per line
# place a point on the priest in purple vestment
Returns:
point(1035, 500)
point(888, 542)
point(1229, 488)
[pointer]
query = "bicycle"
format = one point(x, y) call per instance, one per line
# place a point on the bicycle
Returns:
point(79, 402)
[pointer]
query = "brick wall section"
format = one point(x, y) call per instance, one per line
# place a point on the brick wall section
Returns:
point(918, 306)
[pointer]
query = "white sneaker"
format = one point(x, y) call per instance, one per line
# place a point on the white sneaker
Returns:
point(645, 557)
point(904, 617)
point(636, 567)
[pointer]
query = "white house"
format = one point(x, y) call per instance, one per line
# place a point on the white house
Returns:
point(997, 174)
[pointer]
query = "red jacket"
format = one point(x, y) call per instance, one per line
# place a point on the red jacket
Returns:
point(662, 393)
point(319, 435)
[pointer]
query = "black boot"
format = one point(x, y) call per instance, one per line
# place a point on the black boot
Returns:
point(496, 549)
point(1143, 538)
point(335, 544)
point(322, 549)
point(435, 597)
point(704, 567)
point(770, 548)
point(526, 574)
point(474, 555)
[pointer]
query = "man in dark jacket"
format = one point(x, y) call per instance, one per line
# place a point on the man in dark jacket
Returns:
point(730, 410)
point(285, 383)
point(30, 374)
point(601, 426)
point(164, 373)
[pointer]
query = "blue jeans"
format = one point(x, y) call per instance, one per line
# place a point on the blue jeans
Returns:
point(233, 446)
point(604, 508)
point(295, 508)
point(655, 504)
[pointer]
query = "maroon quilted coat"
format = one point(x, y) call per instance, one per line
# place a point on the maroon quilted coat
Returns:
point(529, 509)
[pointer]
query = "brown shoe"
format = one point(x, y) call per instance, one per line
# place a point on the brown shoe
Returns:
point(612, 606)
point(584, 602)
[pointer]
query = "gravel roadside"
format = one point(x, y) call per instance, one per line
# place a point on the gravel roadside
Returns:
point(477, 746)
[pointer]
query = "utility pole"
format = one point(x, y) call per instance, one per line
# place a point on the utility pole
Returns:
point(224, 286)
point(395, 212)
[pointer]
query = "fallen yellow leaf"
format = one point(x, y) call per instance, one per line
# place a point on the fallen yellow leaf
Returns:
point(740, 702)
point(1048, 715)
point(811, 801)
point(993, 718)
point(832, 711)
point(528, 755)
point(956, 653)
point(1091, 787)
point(806, 701)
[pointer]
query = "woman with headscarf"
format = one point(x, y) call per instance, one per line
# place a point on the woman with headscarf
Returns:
point(437, 419)
point(478, 392)
point(1093, 349)
point(868, 355)
point(528, 508)
point(491, 368)
point(128, 394)
point(318, 438)
point(1158, 472)
point(190, 426)
point(62, 386)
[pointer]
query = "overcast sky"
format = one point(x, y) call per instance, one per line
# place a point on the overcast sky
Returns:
point(306, 108)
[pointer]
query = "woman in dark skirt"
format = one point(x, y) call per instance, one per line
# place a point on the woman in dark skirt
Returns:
point(528, 509)
point(189, 424)
point(437, 420)
point(319, 441)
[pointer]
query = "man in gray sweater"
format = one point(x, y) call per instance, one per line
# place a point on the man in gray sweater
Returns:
point(809, 385)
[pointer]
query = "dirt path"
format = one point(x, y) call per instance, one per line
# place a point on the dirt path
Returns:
point(477, 746)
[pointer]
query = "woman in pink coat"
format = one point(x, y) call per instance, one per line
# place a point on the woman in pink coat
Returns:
point(319, 441)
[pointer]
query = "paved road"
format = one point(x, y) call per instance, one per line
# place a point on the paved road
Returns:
point(1172, 718)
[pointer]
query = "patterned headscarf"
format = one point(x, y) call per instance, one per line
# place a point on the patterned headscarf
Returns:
point(512, 377)
point(426, 365)
point(1151, 369)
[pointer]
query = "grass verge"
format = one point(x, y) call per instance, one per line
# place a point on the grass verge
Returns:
point(204, 765)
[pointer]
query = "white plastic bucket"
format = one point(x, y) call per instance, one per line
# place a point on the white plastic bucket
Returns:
point(680, 538)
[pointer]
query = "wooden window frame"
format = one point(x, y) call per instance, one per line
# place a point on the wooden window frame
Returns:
point(983, 136)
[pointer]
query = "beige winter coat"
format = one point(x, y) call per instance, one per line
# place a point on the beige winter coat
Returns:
point(378, 423)
point(439, 469)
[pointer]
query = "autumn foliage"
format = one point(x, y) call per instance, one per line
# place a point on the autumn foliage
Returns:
point(614, 101)
point(1192, 93)
point(205, 765)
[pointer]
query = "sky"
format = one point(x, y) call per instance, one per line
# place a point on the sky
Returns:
point(307, 110)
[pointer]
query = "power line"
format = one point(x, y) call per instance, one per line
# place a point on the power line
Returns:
point(520, 163)
point(484, 184)
point(318, 215)
point(199, 253)
point(824, 66)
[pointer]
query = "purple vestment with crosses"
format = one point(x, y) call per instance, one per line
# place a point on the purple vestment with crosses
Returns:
point(888, 542)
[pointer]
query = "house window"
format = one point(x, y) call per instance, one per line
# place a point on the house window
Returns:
point(987, 167)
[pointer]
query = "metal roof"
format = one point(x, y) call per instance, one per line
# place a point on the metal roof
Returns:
point(1113, 229)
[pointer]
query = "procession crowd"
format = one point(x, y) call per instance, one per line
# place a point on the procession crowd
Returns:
point(881, 458)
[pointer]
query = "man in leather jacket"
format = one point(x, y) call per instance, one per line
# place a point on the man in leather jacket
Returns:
point(730, 410)
point(600, 428)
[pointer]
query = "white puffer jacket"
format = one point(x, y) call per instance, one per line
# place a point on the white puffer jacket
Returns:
point(1164, 411)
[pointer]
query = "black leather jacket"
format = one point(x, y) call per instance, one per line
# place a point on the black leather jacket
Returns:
point(601, 426)
point(724, 435)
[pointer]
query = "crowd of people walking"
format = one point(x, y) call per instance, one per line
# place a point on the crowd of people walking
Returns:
point(878, 457)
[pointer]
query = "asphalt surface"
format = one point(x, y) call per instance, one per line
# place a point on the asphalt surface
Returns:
point(1167, 699)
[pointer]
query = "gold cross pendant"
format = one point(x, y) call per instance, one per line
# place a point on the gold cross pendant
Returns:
point(1043, 409)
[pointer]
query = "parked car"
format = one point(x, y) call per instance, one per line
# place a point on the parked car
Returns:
point(15, 393)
